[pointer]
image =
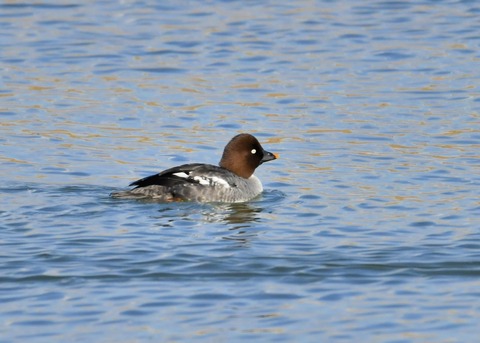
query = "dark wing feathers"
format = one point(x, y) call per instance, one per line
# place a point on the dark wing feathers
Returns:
point(158, 179)
point(168, 179)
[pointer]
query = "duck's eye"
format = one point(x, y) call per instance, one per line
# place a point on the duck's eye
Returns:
point(254, 151)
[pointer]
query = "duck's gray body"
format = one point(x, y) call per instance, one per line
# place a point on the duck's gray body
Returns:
point(195, 182)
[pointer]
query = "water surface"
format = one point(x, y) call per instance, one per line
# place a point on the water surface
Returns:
point(368, 229)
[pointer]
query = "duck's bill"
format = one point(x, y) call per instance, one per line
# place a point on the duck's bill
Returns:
point(268, 156)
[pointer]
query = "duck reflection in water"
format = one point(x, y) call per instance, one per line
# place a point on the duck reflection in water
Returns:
point(236, 213)
point(239, 218)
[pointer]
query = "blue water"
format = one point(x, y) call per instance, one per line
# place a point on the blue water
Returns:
point(369, 226)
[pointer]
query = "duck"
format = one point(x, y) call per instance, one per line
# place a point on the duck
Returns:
point(232, 181)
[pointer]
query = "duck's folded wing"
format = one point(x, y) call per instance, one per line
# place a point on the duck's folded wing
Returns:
point(184, 174)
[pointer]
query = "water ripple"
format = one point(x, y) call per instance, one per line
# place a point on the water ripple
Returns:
point(368, 226)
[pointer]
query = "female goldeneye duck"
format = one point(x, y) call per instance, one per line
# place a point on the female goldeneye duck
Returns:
point(231, 181)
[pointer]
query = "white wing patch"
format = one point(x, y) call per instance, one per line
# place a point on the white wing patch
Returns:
point(205, 180)
point(211, 181)
point(181, 174)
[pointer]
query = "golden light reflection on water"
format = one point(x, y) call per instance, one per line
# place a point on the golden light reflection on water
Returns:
point(190, 90)
point(310, 131)
point(13, 160)
point(460, 132)
point(278, 95)
point(39, 88)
